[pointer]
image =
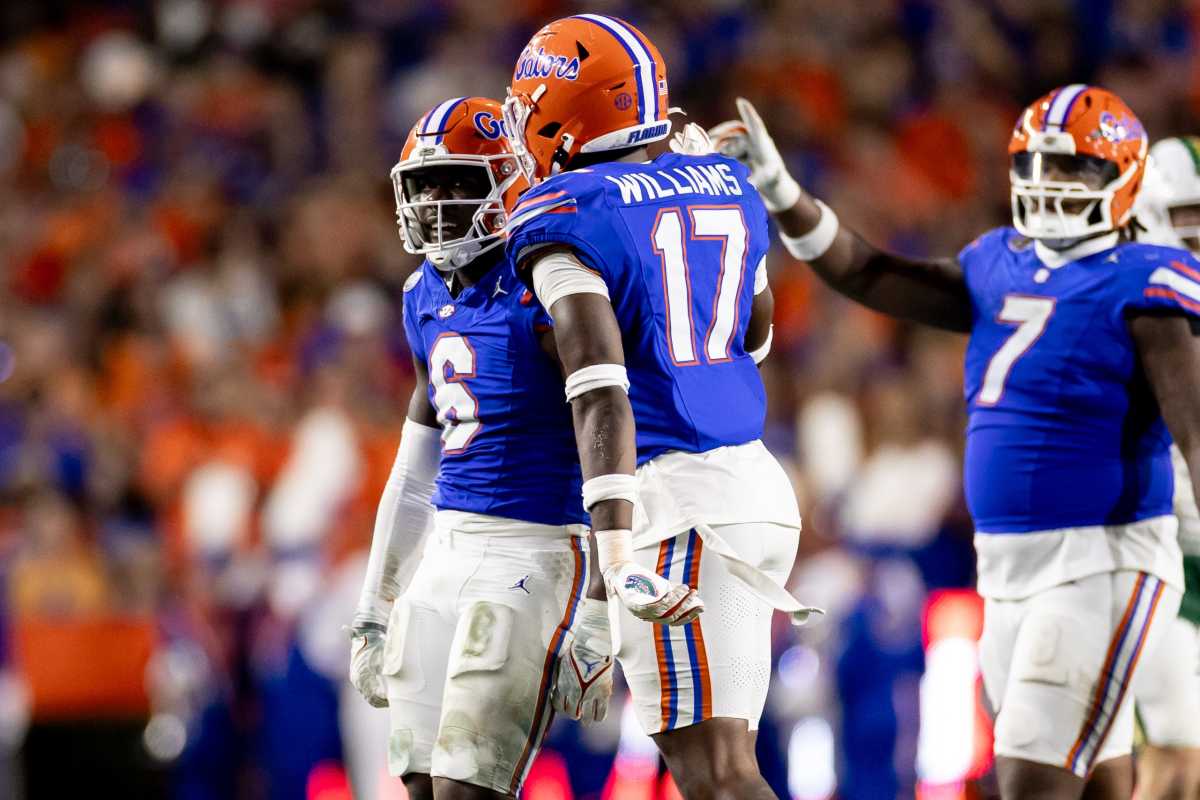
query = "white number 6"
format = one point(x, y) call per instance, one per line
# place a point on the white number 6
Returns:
point(457, 408)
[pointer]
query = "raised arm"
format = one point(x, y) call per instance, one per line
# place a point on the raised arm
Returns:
point(1169, 348)
point(402, 522)
point(929, 291)
point(589, 347)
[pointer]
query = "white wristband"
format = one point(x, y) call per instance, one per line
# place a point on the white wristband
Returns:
point(613, 547)
point(816, 242)
point(614, 486)
point(596, 376)
point(782, 194)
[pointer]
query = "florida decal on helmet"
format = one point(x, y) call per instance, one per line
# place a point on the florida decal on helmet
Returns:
point(454, 182)
point(584, 84)
point(1078, 158)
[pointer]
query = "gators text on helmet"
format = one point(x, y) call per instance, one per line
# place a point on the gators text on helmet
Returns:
point(584, 84)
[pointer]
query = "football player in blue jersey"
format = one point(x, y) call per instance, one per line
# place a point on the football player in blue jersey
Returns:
point(1167, 685)
point(473, 625)
point(653, 270)
point(1081, 347)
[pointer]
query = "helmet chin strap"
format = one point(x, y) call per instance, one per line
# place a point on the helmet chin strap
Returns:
point(1063, 244)
point(464, 254)
point(1055, 253)
point(457, 258)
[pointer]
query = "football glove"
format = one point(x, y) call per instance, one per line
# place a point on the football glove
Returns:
point(748, 141)
point(691, 141)
point(584, 682)
point(650, 596)
point(367, 640)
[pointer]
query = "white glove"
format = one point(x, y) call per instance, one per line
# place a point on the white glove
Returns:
point(650, 596)
point(584, 682)
point(747, 141)
point(691, 141)
point(367, 640)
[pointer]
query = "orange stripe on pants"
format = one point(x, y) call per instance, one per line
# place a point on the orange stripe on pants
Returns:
point(705, 687)
point(548, 670)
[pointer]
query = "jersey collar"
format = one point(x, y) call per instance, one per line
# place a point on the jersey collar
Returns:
point(1056, 258)
point(484, 288)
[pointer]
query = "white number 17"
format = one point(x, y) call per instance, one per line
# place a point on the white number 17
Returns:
point(720, 223)
point(1031, 315)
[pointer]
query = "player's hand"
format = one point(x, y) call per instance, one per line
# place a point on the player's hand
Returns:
point(366, 662)
point(748, 141)
point(584, 682)
point(691, 141)
point(652, 597)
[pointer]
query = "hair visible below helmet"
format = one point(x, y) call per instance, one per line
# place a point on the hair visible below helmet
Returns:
point(1172, 182)
point(1097, 128)
point(584, 84)
point(461, 132)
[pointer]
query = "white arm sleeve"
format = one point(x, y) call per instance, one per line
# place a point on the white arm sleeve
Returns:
point(402, 522)
point(559, 274)
point(760, 277)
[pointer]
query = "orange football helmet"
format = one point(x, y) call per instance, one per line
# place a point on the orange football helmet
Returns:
point(584, 84)
point(460, 132)
point(1078, 159)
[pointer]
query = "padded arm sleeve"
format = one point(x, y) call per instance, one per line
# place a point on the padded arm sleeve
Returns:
point(560, 273)
point(402, 522)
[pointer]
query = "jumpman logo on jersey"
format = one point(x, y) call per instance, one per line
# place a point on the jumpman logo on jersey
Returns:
point(499, 290)
point(521, 585)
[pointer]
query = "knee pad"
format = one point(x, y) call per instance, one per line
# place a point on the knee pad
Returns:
point(1019, 725)
point(400, 752)
point(1038, 657)
point(1052, 670)
point(477, 689)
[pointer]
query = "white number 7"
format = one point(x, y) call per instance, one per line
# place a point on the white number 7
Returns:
point(1031, 313)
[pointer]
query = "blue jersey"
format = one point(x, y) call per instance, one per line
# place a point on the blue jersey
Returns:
point(677, 241)
point(1063, 429)
point(508, 445)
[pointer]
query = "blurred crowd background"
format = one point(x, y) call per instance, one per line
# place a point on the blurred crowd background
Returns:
point(203, 370)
